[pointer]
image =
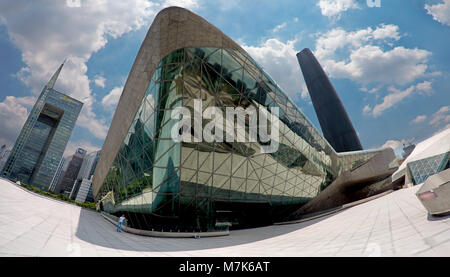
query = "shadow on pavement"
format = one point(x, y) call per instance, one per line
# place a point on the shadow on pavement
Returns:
point(93, 228)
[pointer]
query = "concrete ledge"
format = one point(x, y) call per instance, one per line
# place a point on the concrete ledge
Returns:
point(114, 220)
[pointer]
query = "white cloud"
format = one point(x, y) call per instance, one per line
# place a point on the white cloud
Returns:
point(226, 5)
point(368, 61)
point(13, 114)
point(97, 128)
point(190, 4)
point(394, 144)
point(419, 119)
point(338, 38)
point(279, 27)
point(51, 32)
point(397, 145)
point(279, 60)
point(393, 98)
point(425, 87)
point(440, 12)
point(112, 98)
point(441, 117)
point(100, 81)
point(372, 90)
point(375, 63)
point(370, 64)
point(333, 8)
point(367, 109)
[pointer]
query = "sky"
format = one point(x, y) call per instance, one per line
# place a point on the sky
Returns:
point(387, 59)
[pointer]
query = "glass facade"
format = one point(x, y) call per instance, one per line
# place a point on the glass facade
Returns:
point(163, 184)
point(420, 170)
point(38, 150)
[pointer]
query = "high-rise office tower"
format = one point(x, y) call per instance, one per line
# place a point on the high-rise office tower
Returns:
point(334, 121)
point(37, 152)
point(70, 174)
point(82, 188)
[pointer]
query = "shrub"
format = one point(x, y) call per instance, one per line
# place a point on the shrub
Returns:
point(62, 197)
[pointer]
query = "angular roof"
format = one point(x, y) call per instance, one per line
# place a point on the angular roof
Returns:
point(435, 145)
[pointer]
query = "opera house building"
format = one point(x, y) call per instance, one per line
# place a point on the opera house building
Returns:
point(188, 186)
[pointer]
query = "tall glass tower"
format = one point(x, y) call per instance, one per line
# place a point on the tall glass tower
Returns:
point(37, 152)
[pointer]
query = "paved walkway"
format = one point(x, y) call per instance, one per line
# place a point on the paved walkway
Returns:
point(393, 225)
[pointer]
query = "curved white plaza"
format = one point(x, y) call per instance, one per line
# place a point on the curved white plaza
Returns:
point(393, 225)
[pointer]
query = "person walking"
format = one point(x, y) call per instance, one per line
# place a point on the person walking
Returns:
point(121, 220)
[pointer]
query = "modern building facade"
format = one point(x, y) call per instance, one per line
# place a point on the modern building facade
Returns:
point(2, 150)
point(58, 174)
point(429, 157)
point(37, 152)
point(82, 188)
point(70, 173)
point(334, 120)
point(4, 157)
point(83, 192)
point(163, 184)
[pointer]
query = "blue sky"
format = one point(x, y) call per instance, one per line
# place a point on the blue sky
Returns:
point(389, 64)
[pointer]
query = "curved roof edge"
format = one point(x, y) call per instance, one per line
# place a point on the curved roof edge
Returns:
point(437, 144)
point(173, 28)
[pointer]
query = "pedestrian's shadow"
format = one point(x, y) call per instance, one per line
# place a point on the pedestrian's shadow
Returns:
point(95, 229)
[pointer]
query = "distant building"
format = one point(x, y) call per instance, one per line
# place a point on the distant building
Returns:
point(70, 174)
point(82, 188)
point(407, 150)
point(37, 151)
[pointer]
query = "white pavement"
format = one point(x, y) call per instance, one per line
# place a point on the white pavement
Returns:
point(393, 225)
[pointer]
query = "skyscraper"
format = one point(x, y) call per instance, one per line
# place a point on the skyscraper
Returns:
point(334, 121)
point(37, 152)
point(82, 188)
point(70, 174)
